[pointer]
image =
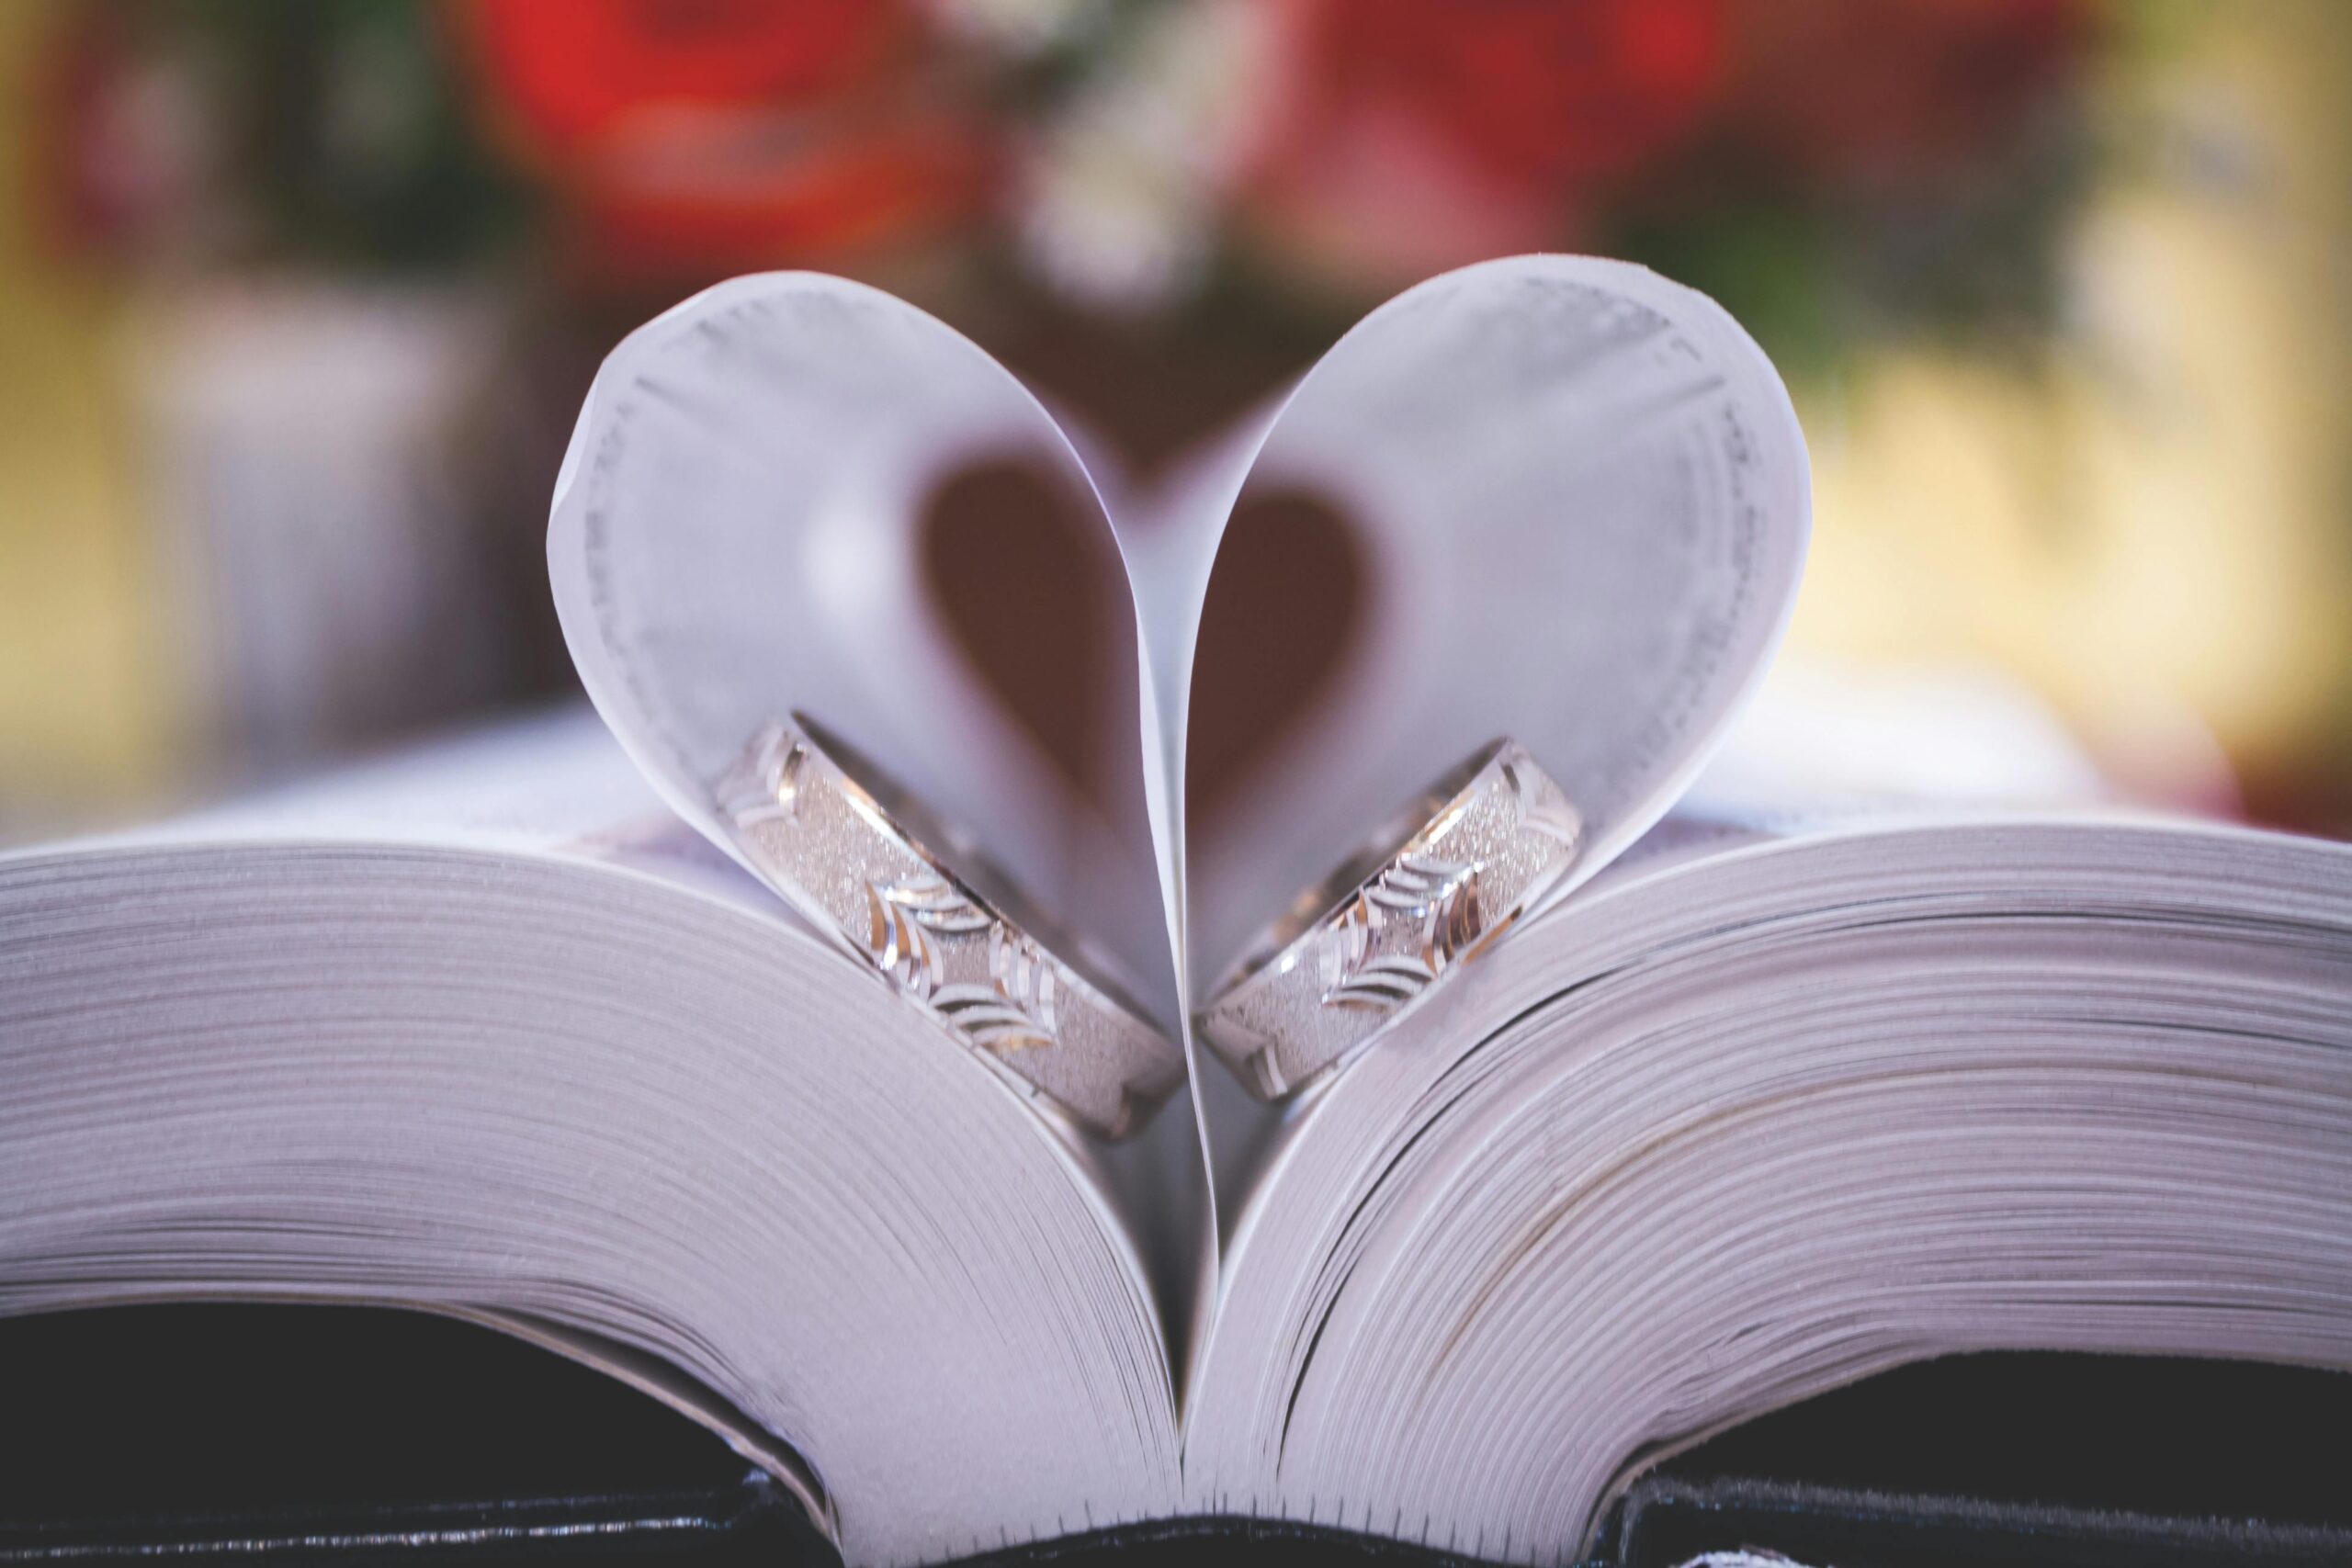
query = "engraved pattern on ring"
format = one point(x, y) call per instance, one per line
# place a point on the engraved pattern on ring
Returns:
point(1302, 1004)
point(826, 843)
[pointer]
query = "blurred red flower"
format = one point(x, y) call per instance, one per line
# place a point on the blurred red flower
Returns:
point(1542, 90)
point(1872, 94)
point(1421, 133)
point(567, 70)
point(701, 137)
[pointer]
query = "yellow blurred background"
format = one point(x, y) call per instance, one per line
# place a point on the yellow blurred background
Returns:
point(2155, 528)
point(271, 485)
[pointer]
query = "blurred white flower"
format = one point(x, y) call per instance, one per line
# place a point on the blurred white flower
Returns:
point(1118, 194)
point(1015, 26)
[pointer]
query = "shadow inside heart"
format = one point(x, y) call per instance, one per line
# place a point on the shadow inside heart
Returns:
point(1026, 583)
point(1285, 603)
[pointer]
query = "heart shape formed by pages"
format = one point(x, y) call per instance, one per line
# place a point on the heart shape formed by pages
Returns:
point(1579, 502)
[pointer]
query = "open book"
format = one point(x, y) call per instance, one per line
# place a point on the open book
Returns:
point(1767, 1087)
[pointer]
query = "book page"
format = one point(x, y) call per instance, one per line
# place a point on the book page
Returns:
point(532, 782)
point(1766, 1108)
point(555, 783)
point(1826, 747)
point(1580, 496)
point(736, 538)
point(506, 1038)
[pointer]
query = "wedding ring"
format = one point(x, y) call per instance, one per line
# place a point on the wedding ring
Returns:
point(811, 816)
point(1363, 947)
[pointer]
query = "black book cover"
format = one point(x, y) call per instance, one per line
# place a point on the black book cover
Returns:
point(248, 1433)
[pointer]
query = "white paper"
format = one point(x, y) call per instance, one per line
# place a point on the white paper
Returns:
point(1580, 487)
point(735, 537)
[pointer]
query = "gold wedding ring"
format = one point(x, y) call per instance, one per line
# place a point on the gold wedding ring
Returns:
point(1364, 946)
point(1049, 1019)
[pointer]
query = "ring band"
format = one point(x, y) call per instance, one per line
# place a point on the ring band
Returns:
point(1357, 951)
point(822, 837)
